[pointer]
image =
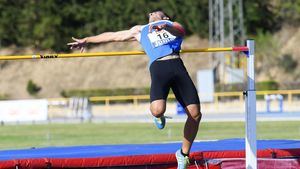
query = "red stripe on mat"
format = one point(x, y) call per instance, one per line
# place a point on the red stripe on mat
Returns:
point(214, 159)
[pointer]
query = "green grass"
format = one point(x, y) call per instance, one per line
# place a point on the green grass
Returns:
point(26, 136)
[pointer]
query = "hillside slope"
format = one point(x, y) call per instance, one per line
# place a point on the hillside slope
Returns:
point(55, 75)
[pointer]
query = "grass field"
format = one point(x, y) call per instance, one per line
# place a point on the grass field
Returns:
point(42, 135)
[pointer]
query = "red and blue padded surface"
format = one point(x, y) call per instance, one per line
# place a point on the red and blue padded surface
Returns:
point(139, 155)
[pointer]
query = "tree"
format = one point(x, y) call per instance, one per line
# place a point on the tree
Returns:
point(32, 88)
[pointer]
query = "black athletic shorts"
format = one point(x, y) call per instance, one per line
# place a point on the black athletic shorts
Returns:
point(166, 74)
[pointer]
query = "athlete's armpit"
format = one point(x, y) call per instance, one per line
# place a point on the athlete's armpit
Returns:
point(136, 32)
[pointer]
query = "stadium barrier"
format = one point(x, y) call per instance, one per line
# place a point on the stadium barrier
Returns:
point(135, 99)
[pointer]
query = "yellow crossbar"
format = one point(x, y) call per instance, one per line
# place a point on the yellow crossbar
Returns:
point(106, 54)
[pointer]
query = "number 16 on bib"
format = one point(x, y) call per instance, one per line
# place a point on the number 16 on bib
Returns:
point(160, 38)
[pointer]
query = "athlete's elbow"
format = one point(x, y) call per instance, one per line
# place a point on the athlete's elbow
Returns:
point(179, 29)
point(178, 33)
point(182, 34)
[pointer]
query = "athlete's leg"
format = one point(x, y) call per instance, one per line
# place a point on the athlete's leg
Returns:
point(159, 90)
point(190, 132)
point(186, 93)
point(191, 126)
point(158, 107)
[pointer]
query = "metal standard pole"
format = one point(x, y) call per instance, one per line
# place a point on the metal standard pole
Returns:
point(241, 20)
point(211, 31)
point(222, 55)
point(231, 32)
point(250, 140)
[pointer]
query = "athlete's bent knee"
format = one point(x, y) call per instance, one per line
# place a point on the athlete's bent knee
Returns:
point(197, 116)
point(157, 111)
point(194, 112)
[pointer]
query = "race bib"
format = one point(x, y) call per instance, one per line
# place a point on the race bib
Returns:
point(160, 38)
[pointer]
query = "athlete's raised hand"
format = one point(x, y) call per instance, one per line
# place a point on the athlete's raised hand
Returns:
point(78, 44)
point(157, 27)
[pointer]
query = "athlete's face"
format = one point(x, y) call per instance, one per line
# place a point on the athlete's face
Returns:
point(155, 16)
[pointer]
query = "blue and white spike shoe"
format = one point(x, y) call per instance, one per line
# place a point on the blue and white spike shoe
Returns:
point(182, 161)
point(160, 122)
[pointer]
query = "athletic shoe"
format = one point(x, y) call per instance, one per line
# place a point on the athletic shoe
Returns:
point(160, 122)
point(182, 161)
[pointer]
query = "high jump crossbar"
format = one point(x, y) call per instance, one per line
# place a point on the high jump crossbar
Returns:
point(107, 54)
point(250, 93)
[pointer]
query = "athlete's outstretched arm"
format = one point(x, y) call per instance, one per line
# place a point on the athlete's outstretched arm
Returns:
point(120, 36)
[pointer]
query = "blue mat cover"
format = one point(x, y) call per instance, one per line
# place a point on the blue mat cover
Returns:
point(140, 149)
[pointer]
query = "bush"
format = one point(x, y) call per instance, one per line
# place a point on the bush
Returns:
point(229, 87)
point(64, 19)
point(267, 85)
point(3, 97)
point(32, 88)
point(105, 92)
point(288, 63)
point(264, 85)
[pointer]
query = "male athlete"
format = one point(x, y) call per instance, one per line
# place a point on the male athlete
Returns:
point(161, 39)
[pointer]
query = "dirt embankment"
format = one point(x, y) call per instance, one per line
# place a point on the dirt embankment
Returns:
point(56, 75)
